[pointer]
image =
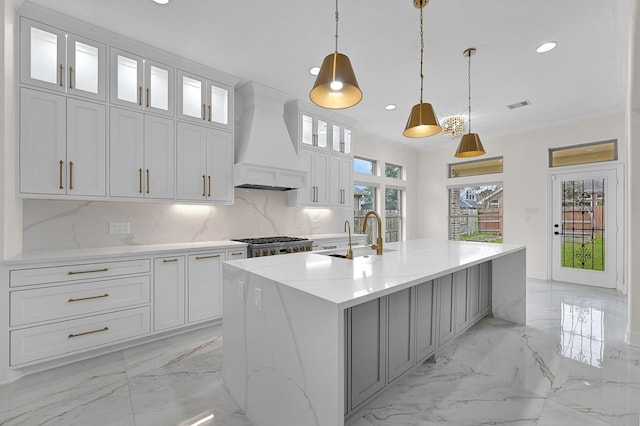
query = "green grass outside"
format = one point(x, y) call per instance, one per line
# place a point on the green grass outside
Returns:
point(571, 251)
point(491, 238)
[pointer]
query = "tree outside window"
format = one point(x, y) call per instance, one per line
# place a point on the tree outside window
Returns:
point(393, 214)
point(392, 171)
point(364, 199)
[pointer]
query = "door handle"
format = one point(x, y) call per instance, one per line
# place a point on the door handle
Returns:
point(148, 181)
point(70, 175)
point(556, 233)
point(70, 77)
point(209, 193)
point(148, 97)
point(204, 185)
point(140, 95)
point(61, 165)
point(140, 175)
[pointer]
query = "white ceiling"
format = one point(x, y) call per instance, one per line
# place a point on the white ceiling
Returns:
point(275, 43)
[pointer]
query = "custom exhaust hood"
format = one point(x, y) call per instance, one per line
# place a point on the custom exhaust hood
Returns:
point(265, 157)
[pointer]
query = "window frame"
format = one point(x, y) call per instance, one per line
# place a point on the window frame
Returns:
point(374, 164)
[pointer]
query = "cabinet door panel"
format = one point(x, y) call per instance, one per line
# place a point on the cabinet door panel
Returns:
point(335, 189)
point(204, 286)
point(401, 341)
point(461, 295)
point(219, 166)
point(218, 105)
point(485, 288)
point(86, 60)
point(191, 97)
point(159, 93)
point(42, 53)
point(126, 161)
point(86, 148)
point(473, 287)
point(446, 328)
point(367, 350)
point(346, 181)
point(321, 177)
point(425, 308)
point(305, 195)
point(191, 162)
point(43, 133)
point(159, 158)
point(168, 292)
point(126, 78)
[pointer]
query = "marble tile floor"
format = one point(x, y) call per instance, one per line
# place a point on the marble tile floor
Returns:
point(568, 366)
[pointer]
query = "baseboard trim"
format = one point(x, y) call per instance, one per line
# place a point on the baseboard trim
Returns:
point(537, 275)
point(632, 337)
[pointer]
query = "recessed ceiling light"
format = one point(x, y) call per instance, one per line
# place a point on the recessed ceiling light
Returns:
point(314, 70)
point(390, 107)
point(161, 1)
point(546, 47)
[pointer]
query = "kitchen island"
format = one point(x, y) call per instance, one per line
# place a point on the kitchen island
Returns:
point(310, 338)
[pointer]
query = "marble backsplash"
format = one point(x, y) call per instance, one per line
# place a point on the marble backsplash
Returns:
point(52, 224)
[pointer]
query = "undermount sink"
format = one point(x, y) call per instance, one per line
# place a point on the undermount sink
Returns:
point(358, 251)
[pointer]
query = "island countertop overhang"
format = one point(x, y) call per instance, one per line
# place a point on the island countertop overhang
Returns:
point(351, 282)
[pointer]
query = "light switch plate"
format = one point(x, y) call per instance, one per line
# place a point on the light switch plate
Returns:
point(119, 228)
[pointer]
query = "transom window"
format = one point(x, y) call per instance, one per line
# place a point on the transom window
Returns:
point(364, 166)
point(475, 213)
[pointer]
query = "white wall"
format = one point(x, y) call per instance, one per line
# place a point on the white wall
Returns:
point(374, 148)
point(69, 224)
point(524, 178)
point(633, 201)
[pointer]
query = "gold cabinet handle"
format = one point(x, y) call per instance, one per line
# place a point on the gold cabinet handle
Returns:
point(80, 299)
point(60, 186)
point(204, 185)
point(209, 112)
point(207, 257)
point(203, 111)
point(237, 253)
point(148, 97)
point(148, 181)
point(314, 140)
point(209, 193)
point(169, 260)
point(140, 95)
point(70, 77)
point(88, 332)
point(61, 76)
point(87, 272)
point(70, 174)
point(140, 176)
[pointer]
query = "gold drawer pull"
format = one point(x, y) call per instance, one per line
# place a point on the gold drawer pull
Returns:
point(88, 298)
point(87, 272)
point(207, 257)
point(70, 77)
point(71, 336)
point(70, 175)
point(238, 253)
point(140, 95)
point(61, 163)
point(61, 76)
point(169, 260)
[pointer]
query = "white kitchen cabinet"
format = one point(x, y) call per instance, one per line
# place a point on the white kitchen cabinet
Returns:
point(425, 320)
point(315, 131)
point(485, 288)
point(341, 182)
point(204, 164)
point(204, 101)
point(58, 60)
point(400, 333)
point(204, 286)
point(62, 145)
point(341, 139)
point(366, 350)
point(169, 292)
point(141, 83)
point(316, 192)
point(142, 155)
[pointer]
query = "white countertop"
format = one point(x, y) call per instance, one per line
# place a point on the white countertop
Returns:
point(350, 282)
point(91, 253)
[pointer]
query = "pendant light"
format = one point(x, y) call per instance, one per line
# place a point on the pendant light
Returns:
point(336, 86)
point(470, 145)
point(422, 120)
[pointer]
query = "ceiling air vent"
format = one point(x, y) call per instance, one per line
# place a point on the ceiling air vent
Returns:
point(519, 104)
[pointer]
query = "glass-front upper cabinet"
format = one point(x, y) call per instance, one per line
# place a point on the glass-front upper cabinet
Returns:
point(341, 139)
point(202, 100)
point(61, 61)
point(314, 131)
point(141, 83)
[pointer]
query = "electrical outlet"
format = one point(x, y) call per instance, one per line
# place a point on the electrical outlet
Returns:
point(257, 299)
point(241, 291)
point(119, 228)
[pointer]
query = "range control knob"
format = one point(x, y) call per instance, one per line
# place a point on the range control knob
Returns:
point(261, 253)
point(290, 249)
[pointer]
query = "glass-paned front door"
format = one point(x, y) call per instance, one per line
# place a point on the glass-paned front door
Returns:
point(584, 228)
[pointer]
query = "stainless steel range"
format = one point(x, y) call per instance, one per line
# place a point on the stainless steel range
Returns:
point(271, 246)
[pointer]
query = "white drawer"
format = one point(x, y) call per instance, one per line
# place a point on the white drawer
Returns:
point(67, 337)
point(236, 254)
point(54, 274)
point(67, 300)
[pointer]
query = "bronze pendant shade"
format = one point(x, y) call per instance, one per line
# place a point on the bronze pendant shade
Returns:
point(470, 145)
point(422, 122)
point(336, 86)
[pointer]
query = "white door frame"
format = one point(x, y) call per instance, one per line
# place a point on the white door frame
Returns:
point(594, 167)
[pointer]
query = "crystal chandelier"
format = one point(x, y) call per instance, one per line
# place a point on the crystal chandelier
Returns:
point(453, 126)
